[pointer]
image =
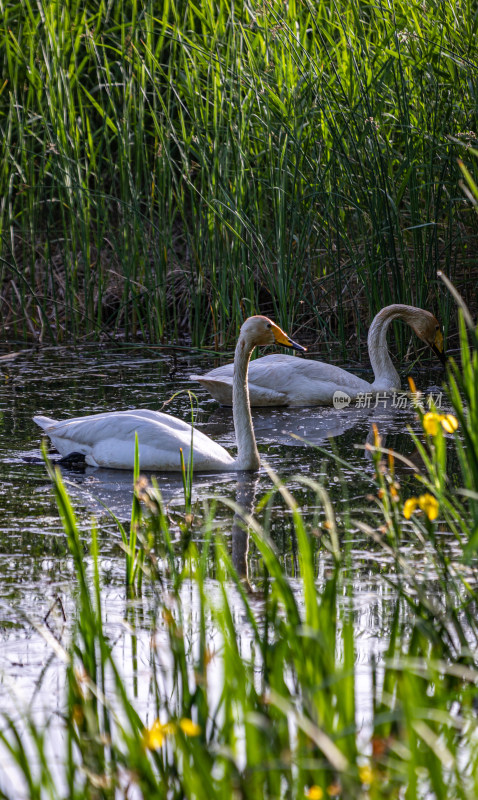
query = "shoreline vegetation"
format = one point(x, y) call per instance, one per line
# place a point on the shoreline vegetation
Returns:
point(168, 169)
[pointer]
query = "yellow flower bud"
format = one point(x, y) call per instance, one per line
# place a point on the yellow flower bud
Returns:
point(410, 505)
point(366, 774)
point(153, 737)
point(429, 505)
point(189, 728)
point(314, 793)
point(430, 423)
point(449, 423)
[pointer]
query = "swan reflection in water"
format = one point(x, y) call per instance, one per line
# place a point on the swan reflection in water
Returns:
point(101, 490)
point(245, 500)
point(299, 427)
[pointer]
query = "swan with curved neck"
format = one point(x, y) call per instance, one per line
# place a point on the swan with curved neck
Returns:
point(281, 380)
point(108, 440)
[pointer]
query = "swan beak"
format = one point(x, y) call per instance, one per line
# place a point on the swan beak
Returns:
point(438, 347)
point(285, 341)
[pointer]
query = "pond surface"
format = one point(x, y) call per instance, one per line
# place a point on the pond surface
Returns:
point(36, 573)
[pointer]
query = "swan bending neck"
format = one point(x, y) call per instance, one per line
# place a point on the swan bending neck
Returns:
point(247, 453)
point(385, 375)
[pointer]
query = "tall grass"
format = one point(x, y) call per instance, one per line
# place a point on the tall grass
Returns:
point(171, 168)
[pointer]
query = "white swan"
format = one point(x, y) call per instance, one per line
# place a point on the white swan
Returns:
point(108, 440)
point(281, 380)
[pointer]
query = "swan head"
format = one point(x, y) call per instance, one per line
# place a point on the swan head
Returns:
point(428, 329)
point(260, 330)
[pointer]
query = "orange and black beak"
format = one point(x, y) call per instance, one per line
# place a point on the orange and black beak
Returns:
point(286, 341)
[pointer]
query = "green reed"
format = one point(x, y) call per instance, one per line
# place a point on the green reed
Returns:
point(171, 169)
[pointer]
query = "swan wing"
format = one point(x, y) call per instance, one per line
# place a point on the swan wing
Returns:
point(107, 440)
point(279, 379)
point(304, 382)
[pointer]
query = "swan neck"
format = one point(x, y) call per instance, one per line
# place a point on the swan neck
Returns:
point(247, 453)
point(385, 375)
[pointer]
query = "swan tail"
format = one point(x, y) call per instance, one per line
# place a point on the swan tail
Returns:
point(44, 422)
point(259, 396)
point(221, 390)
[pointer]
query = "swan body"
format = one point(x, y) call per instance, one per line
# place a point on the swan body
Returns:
point(108, 440)
point(282, 380)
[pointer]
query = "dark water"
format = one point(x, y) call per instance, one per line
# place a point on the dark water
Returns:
point(36, 573)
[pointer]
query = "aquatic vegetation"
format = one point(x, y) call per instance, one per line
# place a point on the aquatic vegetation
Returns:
point(177, 168)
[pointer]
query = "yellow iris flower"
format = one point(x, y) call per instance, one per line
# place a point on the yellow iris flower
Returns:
point(431, 422)
point(314, 793)
point(153, 737)
point(426, 502)
point(189, 728)
point(366, 774)
point(410, 505)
